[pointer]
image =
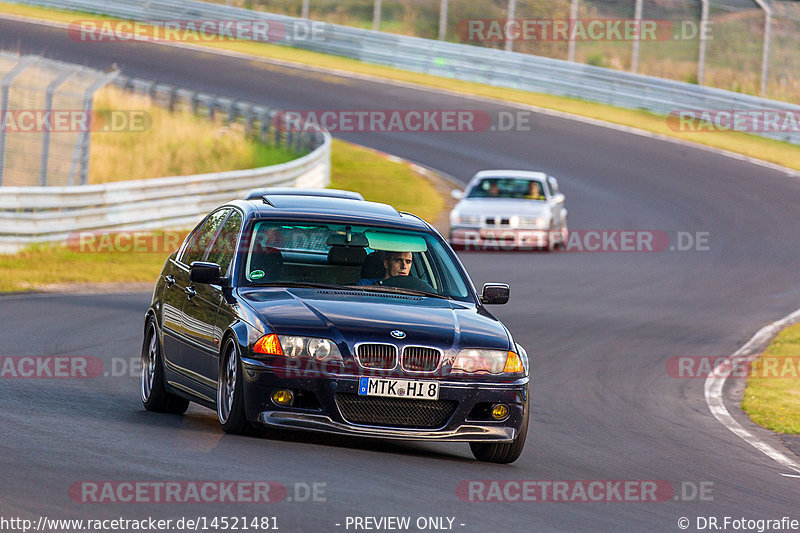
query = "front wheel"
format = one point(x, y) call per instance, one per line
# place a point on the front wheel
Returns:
point(155, 396)
point(230, 395)
point(502, 452)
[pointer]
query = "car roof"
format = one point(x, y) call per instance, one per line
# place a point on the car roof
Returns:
point(330, 209)
point(257, 193)
point(521, 174)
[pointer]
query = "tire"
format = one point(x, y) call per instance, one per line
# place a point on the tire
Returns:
point(502, 452)
point(154, 394)
point(230, 393)
point(562, 243)
point(551, 244)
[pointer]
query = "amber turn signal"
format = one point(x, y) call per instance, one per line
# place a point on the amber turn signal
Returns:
point(513, 364)
point(270, 345)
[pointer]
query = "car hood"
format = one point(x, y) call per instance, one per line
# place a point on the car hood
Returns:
point(357, 316)
point(501, 206)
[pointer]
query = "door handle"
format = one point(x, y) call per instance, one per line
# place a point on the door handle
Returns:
point(170, 281)
point(190, 292)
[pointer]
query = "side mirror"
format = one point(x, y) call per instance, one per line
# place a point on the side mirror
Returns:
point(458, 194)
point(495, 293)
point(202, 272)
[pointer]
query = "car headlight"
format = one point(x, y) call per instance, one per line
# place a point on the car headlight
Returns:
point(539, 222)
point(472, 360)
point(294, 346)
point(457, 219)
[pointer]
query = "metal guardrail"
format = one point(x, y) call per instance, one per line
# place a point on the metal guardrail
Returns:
point(470, 63)
point(51, 214)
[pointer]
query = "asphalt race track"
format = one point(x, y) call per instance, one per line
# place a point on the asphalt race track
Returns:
point(600, 328)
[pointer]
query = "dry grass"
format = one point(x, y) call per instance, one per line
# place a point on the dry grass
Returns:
point(173, 144)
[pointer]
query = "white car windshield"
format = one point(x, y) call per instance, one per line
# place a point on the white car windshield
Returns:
point(508, 188)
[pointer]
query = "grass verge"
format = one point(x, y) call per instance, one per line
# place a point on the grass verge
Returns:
point(352, 167)
point(171, 143)
point(773, 398)
point(750, 145)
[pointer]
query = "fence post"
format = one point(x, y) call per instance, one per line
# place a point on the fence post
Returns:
point(442, 19)
point(701, 53)
point(637, 16)
point(376, 15)
point(573, 16)
point(80, 156)
point(5, 84)
point(512, 12)
point(304, 9)
point(48, 106)
point(765, 52)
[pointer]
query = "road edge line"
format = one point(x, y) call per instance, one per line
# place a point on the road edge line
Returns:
point(715, 383)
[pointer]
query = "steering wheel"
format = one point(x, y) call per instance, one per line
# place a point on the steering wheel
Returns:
point(408, 282)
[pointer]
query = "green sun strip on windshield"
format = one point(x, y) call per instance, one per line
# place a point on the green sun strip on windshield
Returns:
point(396, 242)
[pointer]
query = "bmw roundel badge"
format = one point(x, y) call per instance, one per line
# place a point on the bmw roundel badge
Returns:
point(397, 334)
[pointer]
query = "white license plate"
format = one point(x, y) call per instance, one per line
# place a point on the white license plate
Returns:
point(398, 388)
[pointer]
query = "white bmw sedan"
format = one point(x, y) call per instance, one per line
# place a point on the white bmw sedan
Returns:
point(509, 210)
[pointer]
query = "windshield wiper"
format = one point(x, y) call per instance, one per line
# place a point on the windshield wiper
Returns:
point(397, 290)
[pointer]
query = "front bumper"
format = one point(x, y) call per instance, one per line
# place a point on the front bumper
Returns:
point(471, 238)
point(467, 422)
point(316, 422)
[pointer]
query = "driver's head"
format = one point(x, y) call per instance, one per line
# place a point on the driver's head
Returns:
point(397, 264)
point(534, 189)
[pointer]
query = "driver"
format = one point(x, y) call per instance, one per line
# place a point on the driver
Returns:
point(534, 191)
point(395, 263)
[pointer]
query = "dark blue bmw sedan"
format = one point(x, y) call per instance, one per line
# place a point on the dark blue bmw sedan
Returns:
point(334, 315)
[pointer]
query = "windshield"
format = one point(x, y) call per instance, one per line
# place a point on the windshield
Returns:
point(508, 188)
point(362, 257)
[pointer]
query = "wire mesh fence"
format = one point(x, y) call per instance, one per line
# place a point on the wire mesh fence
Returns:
point(46, 120)
point(734, 48)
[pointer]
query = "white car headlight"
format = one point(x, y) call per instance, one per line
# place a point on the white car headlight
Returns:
point(310, 347)
point(471, 220)
point(540, 222)
point(472, 360)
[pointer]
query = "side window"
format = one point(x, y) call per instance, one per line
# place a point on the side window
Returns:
point(202, 238)
point(224, 247)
